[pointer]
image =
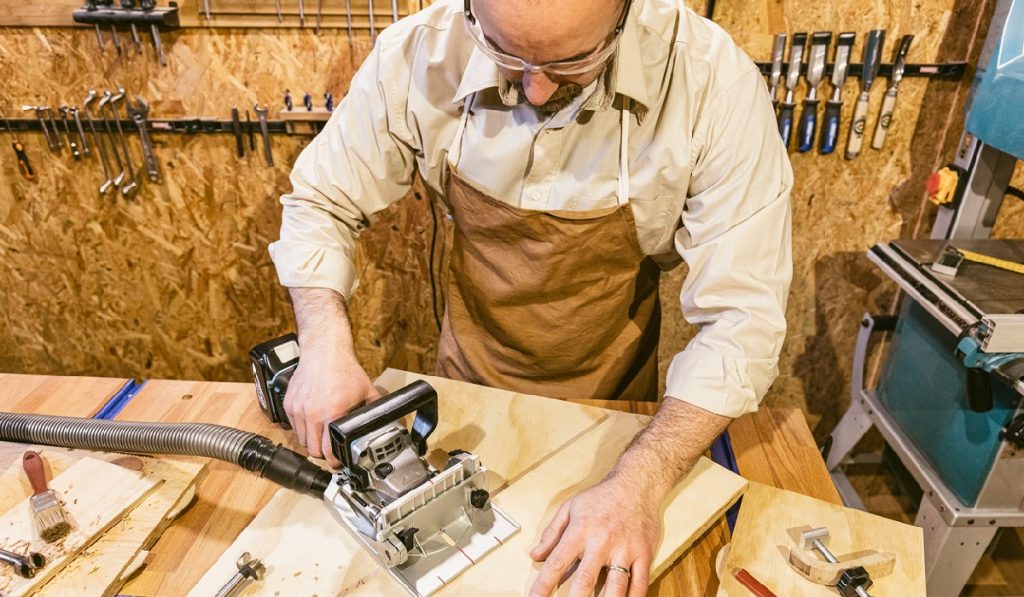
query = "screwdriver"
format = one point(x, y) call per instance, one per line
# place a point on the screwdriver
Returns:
point(24, 166)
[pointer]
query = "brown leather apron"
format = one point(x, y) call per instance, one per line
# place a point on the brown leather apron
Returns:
point(561, 304)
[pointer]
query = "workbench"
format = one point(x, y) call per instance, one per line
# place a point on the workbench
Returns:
point(772, 446)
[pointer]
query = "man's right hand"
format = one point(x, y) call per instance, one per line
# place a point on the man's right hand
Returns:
point(329, 380)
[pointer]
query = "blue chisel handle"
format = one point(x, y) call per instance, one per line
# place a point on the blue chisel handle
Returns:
point(786, 121)
point(808, 125)
point(830, 127)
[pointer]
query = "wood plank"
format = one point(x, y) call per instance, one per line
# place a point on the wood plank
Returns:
point(52, 394)
point(103, 566)
point(96, 495)
point(306, 553)
point(511, 435)
point(760, 538)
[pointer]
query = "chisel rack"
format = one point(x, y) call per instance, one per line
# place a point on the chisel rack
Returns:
point(952, 71)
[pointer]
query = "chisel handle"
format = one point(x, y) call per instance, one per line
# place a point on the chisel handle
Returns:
point(808, 124)
point(24, 166)
point(884, 119)
point(786, 121)
point(830, 126)
point(857, 126)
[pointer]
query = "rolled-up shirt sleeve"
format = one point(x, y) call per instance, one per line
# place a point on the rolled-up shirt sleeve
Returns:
point(736, 239)
point(362, 161)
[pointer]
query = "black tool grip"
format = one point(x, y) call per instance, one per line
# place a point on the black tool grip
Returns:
point(24, 166)
point(418, 397)
point(786, 121)
point(808, 124)
point(830, 127)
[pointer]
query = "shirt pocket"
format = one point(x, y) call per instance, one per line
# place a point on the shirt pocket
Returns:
point(657, 220)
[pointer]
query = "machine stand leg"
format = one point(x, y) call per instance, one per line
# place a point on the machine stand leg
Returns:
point(950, 553)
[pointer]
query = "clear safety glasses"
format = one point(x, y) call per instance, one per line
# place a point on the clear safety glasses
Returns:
point(563, 68)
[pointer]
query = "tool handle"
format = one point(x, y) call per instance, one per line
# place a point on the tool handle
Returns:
point(418, 397)
point(808, 124)
point(24, 166)
point(236, 124)
point(786, 121)
point(830, 126)
point(33, 464)
point(884, 119)
point(860, 116)
point(752, 584)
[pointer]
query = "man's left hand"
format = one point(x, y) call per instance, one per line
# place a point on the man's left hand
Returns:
point(609, 524)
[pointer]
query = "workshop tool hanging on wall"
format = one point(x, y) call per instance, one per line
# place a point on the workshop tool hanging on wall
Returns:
point(24, 165)
point(373, 30)
point(72, 144)
point(138, 110)
point(820, 42)
point(872, 60)
point(107, 184)
point(834, 106)
point(425, 526)
point(86, 151)
point(104, 107)
point(778, 54)
point(101, 13)
point(889, 103)
point(52, 139)
point(236, 125)
point(796, 54)
point(261, 113)
point(348, 22)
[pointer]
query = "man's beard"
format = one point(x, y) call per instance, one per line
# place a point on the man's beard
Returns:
point(560, 99)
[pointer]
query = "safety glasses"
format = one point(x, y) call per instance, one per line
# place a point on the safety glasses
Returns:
point(576, 66)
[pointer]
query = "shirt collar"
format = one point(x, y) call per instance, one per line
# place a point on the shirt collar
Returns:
point(626, 74)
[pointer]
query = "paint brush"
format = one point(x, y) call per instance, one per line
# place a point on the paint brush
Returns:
point(51, 518)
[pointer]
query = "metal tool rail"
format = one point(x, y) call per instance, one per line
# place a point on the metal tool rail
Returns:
point(952, 71)
point(186, 126)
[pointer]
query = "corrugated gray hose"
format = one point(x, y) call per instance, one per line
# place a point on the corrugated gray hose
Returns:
point(248, 450)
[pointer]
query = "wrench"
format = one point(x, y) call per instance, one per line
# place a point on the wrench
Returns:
point(24, 566)
point(127, 191)
point(250, 570)
point(139, 110)
point(110, 138)
point(109, 182)
point(262, 114)
point(75, 153)
point(39, 110)
point(81, 132)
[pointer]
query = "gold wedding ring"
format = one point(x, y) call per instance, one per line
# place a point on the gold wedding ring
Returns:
point(618, 569)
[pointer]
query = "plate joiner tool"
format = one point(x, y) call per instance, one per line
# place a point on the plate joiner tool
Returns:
point(872, 56)
point(796, 57)
point(815, 69)
point(424, 525)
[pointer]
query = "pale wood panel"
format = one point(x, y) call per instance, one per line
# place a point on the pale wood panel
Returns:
point(103, 566)
point(96, 495)
point(306, 553)
point(760, 537)
point(45, 394)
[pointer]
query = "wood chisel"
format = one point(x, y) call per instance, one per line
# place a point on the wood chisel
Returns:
point(348, 21)
point(24, 166)
point(889, 103)
point(778, 52)
point(872, 60)
point(796, 57)
point(373, 30)
point(820, 42)
point(834, 106)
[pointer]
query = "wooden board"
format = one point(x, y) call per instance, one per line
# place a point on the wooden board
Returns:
point(50, 394)
point(96, 495)
point(530, 429)
point(760, 539)
point(307, 552)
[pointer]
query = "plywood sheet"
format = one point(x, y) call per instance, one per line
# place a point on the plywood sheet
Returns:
point(760, 537)
point(96, 495)
point(568, 447)
point(51, 394)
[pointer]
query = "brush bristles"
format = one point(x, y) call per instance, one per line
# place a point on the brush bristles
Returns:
point(51, 519)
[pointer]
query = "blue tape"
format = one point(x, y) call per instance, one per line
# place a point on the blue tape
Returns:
point(120, 399)
point(721, 453)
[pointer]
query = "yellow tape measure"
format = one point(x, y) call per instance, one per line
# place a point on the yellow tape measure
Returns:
point(1012, 266)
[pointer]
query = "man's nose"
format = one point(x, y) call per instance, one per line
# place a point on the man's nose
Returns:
point(538, 88)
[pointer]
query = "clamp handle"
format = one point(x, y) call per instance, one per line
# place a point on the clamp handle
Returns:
point(419, 397)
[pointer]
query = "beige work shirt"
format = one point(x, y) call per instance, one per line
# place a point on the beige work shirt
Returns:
point(709, 178)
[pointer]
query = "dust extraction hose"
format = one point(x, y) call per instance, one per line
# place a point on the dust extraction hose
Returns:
point(248, 450)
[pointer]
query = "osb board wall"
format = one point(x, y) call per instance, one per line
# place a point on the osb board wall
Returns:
point(178, 283)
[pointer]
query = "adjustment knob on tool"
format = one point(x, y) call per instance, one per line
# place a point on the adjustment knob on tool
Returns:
point(383, 470)
point(1014, 432)
point(478, 498)
point(853, 579)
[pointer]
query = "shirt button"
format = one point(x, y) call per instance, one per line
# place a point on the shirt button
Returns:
point(535, 195)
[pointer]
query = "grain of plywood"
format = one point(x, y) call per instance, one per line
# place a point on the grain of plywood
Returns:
point(95, 494)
